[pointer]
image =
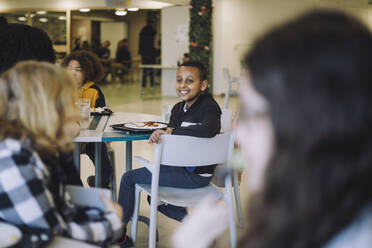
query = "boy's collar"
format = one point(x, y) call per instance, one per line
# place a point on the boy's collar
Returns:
point(186, 108)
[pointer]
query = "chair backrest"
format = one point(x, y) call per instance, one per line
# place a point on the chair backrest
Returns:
point(226, 74)
point(177, 150)
point(229, 81)
point(226, 120)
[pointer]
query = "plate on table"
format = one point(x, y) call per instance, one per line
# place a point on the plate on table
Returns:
point(101, 111)
point(9, 235)
point(143, 126)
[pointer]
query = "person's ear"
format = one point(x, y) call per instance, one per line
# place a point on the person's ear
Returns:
point(203, 85)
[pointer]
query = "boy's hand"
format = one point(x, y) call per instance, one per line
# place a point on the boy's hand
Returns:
point(155, 136)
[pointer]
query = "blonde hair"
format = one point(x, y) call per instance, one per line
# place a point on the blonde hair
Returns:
point(37, 101)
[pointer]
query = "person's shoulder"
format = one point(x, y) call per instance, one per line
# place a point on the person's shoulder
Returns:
point(95, 87)
point(207, 101)
point(14, 150)
point(358, 234)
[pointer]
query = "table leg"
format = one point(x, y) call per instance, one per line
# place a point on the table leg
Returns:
point(77, 157)
point(128, 155)
point(97, 162)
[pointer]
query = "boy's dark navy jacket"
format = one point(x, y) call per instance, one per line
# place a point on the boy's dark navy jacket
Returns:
point(202, 119)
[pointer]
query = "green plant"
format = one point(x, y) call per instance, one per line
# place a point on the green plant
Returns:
point(200, 34)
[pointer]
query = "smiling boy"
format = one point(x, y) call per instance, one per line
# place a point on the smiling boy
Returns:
point(199, 115)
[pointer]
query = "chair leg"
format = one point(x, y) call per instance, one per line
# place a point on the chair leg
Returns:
point(230, 206)
point(238, 203)
point(153, 221)
point(133, 227)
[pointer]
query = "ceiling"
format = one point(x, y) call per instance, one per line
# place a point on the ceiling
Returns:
point(6, 5)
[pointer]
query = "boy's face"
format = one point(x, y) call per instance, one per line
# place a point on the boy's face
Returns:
point(189, 86)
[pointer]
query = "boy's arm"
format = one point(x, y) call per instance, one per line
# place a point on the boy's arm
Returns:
point(173, 118)
point(209, 126)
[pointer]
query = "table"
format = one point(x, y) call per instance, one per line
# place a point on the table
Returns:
point(100, 131)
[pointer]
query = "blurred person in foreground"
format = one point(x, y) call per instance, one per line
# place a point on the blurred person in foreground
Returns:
point(19, 42)
point(306, 138)
point(38, 114)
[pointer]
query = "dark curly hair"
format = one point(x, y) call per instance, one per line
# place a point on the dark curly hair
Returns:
point(201, 68)
point(315, 72)
point(20, 42)
point(89, 63)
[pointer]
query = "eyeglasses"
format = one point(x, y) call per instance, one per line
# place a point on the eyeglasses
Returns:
point(77, 69)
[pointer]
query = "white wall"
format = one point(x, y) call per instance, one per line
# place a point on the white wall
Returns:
point(237, 23)
point(81, 29)
point(174, 43)
point(174, 21)
point(113, 31)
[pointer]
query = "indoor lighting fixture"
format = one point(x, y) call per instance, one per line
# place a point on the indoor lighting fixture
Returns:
point(22, 19)
point(84, 10)
point(62, 18)
point(43, 19)
point(41, 12)
point(133, 9)
point(120, 12)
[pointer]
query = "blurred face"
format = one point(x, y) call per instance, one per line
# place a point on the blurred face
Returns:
point(106, 44)
point(189, 86)
point(76, 71)
point(254, 134)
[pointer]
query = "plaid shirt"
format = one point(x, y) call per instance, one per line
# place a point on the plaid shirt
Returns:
point(26, 200)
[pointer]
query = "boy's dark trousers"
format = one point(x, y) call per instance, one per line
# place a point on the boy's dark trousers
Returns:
point(169, 176)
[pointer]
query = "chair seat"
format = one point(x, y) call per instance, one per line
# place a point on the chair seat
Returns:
point(183, 197)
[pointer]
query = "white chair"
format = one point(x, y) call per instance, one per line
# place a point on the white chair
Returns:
point(218, 178)
point(229, 81)
point(226, 118)
point(176, 150)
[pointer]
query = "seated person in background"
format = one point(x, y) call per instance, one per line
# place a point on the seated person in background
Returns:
point(19, 42)
point(122, 60)
point(198, 115)
point(104, 51)
point(123, 54)
point(85, 46)
point(104, 54)
point(306, 136)
point(87, 70)
point(38, 113)
point(77, 45)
